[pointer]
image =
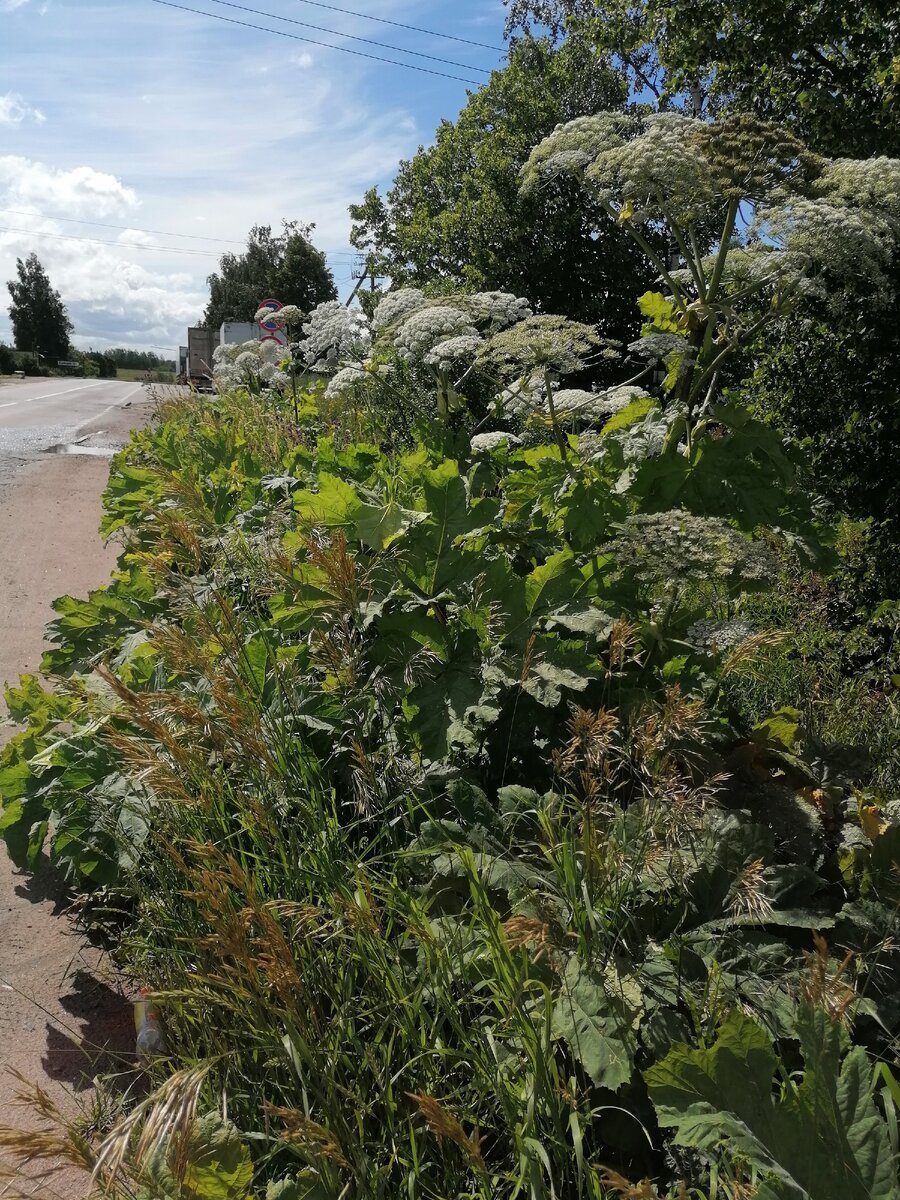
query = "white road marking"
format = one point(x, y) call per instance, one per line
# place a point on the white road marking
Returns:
point(116, 404)
point(11, 404)
point(67, 391)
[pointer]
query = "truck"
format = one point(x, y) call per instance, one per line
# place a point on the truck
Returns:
point(233, 333)
point(201, 344)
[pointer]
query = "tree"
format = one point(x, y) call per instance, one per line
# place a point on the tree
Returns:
point(39, 319)
point(454, 215)
point(286, 266)
point(831, 71)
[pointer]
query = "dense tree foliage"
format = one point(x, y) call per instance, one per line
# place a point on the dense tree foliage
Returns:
point(285, 265)
point(454, 214)
point(38, 316)
point(138, 360)
point(832, 71)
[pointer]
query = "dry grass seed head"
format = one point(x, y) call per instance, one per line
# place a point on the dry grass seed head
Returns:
point(747, 897)
point(744, 658)
point(529, 931)
point(161, 1125)
point(623, 1188)
point(300, 1129)
point(59, 1144)
point(592, 736)
point(826, 989)
point(623, 637)
point(443, 1124)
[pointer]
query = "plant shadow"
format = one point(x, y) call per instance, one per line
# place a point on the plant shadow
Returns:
point(101, 1037)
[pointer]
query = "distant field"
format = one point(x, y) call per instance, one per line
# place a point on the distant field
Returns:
point(139, 376)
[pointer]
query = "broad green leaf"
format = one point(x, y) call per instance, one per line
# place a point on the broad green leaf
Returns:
point(816, 1141)
point(379, 526)
point(596, 1026)
point(334, 503)
point(629, 415)
point(782, 728)
point(661, 314)
point(219, 1165)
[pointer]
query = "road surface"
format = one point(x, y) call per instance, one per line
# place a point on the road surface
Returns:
point(36, 414)
point(62, 1012)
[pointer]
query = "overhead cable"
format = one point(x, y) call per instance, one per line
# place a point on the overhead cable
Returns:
point(449, 62)
point(448, 37)
point(71, 237)
point(296, 37)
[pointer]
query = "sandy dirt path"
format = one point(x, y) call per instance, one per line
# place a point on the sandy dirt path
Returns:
point(62, 1015)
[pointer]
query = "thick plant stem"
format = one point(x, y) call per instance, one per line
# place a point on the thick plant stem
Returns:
point(557, 432)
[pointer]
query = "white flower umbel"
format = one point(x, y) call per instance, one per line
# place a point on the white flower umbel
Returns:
point(453, 353)
point(427, 327)
point(863, 183)
point(397, 306)
point(334, 333)
point(850, 244)
point(484, 442)
point(344, 380)
point(523, 397)
point(573, 145)
point(494, 311)
point(719, 636)
point(656, 346)
point(678, 547)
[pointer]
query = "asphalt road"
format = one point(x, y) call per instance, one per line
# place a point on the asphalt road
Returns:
point(38, 414)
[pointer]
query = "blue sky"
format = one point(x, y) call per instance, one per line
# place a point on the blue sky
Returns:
point(141, 116)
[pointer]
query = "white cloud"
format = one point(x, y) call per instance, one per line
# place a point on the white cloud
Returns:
point(14, 110)
point(11, 5)
point(302, 60)
point(81, 191)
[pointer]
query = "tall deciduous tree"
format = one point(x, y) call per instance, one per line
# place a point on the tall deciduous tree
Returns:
point(285, 265)
point(39, 319)
point(454, 214)
point(829, 70)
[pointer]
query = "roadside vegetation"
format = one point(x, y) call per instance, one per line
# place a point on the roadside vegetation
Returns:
point(487, 748)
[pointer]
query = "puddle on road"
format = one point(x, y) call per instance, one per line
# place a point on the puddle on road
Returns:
point(75, 448)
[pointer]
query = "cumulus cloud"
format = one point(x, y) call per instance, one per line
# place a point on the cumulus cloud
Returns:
point(80, 191)
point(14, 110)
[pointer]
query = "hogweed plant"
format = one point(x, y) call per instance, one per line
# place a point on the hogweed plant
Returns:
point(754, 218)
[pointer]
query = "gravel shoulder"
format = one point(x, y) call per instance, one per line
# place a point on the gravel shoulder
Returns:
point(63, 1015)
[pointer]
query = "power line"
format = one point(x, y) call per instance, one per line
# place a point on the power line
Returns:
point(296, 37)
point(450, 37)
point(20, 212)
point(449, 62)
point(71, 237)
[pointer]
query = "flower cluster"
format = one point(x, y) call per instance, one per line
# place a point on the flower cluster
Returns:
point(255, 363)
point(571, 146)
point(288, 314)
point(868, 182)
point(334, 333)
point(678, 547)
point(574, 403)
point(483, 442)
point(552, 344)
point(396, 306)
point(657, 346)
point(447, 355)
point(850, 244)
point(521, 398)
point(353, 375)
point(496, 310)
point(718, 636)
point(345, 380)
point(428, 326)
point(664, 161)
